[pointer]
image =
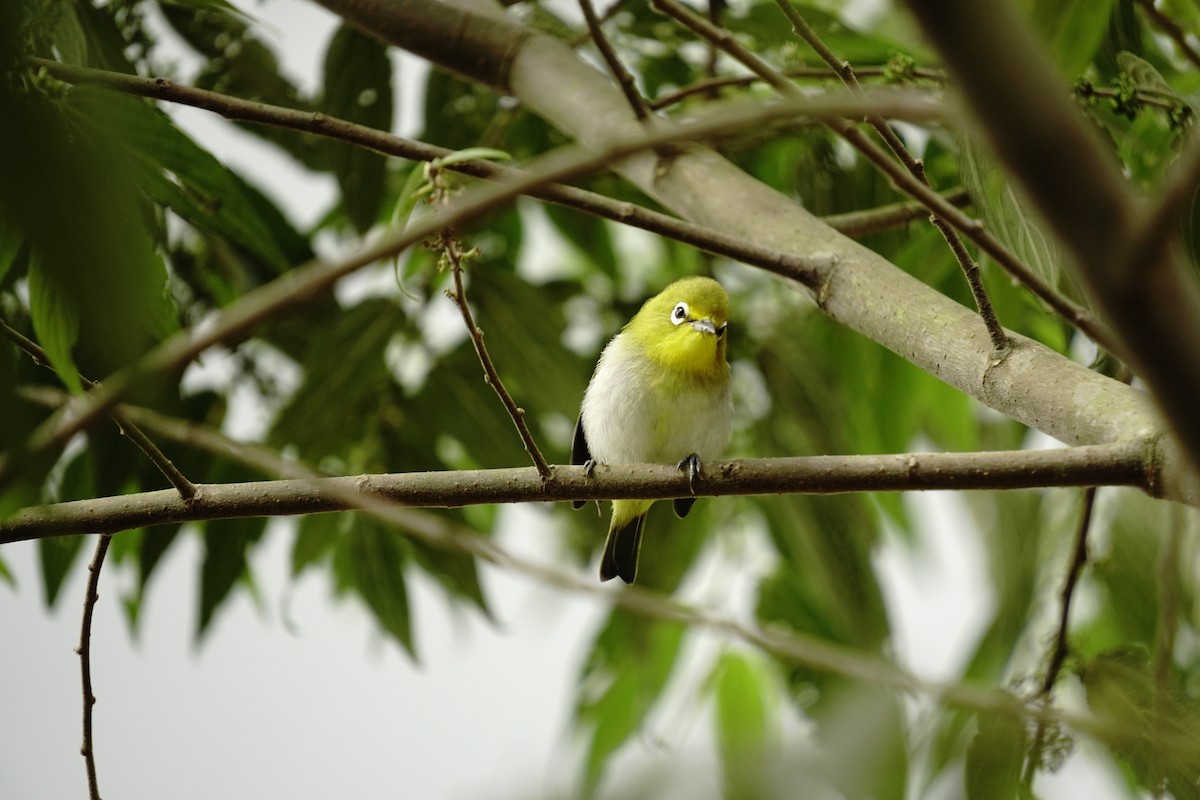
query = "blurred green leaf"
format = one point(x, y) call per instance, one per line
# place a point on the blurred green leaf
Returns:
point(624, 675)
point(745, 722)
point(337, 406)
point(995, 757)
point(317, 535)
point(371, 562)
point(358, 88)
point(226, 544)
point(57, 555)
point(1072, 29)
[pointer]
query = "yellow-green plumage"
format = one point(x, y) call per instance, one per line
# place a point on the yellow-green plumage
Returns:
point(660, 394)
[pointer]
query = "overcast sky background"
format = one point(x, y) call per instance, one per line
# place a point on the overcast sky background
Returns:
point(300, 697)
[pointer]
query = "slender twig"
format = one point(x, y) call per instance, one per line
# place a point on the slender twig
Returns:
point(791, 646)
point(1171, 28)
point(709, 85)
point(874, 220)
point(1060, 648)
point(85, 662)
point(845, 71)
point(340, 130)
point(1148, 97)
point(623, 77)
point(452, 251)
point(303, 282)
point(185, 487)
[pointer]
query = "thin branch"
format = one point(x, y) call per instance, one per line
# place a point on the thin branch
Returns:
point(1058, 653)
point(85, 662)
point(185, 487)
point(236, 109)
point(1070, 175)
point(742, 81)
point(1171, 28)
point(1115, 464)
point(453, 253)
point(845, 71)
point(789, 645)
point(893, 215)
point(303, 282)
point(623, 77)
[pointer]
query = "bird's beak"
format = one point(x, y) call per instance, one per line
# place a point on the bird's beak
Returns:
point(705, 326)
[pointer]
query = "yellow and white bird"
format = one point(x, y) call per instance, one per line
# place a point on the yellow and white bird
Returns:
point(660, 395)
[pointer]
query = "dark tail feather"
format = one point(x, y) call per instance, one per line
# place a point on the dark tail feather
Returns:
point(621, 551)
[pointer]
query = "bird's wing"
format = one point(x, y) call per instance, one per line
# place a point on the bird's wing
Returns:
point(580, 453)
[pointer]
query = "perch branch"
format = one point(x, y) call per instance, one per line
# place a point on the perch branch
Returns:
point(1114, 464)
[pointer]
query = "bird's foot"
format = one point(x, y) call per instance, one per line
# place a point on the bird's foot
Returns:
point(589, 467)
point(690, 465)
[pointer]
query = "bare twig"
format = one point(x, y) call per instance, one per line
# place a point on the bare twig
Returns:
point(893, 215)
point(1171, 28)
point(303, 282)
point(85, 662)
point(709, 85)
point(791, 646)
point(970, 268)
point(1115, 464)
point(185, 487)
point(452, 251)
point(623, 77)
point(1058, 653)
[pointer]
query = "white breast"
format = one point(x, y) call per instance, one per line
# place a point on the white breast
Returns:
point(627, 419)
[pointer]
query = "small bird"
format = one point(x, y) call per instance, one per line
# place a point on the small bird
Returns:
point(660, 394)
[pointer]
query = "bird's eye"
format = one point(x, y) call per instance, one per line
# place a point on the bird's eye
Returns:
point(680, 313)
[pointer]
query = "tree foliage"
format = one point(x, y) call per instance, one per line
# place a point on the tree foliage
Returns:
point(118, 228)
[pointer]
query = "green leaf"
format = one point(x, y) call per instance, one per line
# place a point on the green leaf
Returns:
point(55, 313)
point(57, 555)
point(458, 573)
point(346, 382)
point(371, 561)
point(995, 758)
point(745, 723)
point(625, 673)
point(316, 535)
point(1073, 29)
point(226, 543)
point(11, 242)
point(358, 88)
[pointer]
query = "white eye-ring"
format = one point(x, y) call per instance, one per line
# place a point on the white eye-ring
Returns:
point(679, 314)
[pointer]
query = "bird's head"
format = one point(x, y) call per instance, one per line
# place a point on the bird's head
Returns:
point(684, 327)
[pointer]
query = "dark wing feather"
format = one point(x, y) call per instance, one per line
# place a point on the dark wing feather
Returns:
point(580, 454)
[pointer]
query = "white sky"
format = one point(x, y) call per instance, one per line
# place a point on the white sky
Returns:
point(300, 697)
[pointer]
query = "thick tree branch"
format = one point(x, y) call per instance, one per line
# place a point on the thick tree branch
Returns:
point(1150, 297)
point(1116, 464)
point(863, 291)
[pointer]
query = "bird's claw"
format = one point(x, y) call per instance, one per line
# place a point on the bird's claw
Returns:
point(589, 467)
point(691, 465)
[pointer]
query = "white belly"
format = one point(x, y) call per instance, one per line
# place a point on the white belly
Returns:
point(630, 419)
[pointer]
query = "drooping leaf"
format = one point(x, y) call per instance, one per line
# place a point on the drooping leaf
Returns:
point(995, 757)
point(371, 561)
point(625, 673)
point(358, 88)
point(746, 724)
point(227, 543)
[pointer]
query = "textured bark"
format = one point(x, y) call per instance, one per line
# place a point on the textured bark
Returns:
point(1032, 384)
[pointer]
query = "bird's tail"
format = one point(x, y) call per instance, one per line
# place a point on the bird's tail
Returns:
point(624, 540)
